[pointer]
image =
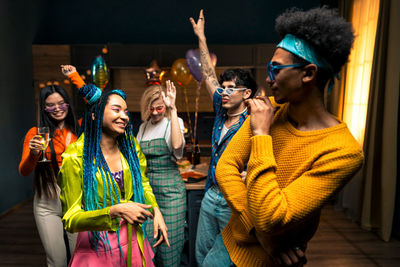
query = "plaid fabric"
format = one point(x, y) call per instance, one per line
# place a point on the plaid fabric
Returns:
point(170, 192)
point(218, 149)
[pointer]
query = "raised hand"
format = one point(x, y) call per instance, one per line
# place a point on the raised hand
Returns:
point(67, 69)
point(170, 97)
point(198, 28)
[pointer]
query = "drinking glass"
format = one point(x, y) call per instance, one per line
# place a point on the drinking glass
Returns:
point(44, 132)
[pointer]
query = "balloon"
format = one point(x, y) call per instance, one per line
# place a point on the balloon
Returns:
point(100, 72)
point(194, 64)
point(180, 72)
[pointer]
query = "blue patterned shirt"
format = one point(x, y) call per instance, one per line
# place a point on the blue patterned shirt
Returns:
point(218, 149)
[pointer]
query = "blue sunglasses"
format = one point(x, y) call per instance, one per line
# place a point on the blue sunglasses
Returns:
point(274, 69)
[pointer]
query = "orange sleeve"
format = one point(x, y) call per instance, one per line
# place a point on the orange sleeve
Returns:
point(28, 161)
point(76, 79)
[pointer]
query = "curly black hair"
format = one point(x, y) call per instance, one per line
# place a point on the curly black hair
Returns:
point(329, 34)
point(240, 77)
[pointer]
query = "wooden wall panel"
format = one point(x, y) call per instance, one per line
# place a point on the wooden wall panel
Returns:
point(132, 81)
point(127, 73)
point(46, 66)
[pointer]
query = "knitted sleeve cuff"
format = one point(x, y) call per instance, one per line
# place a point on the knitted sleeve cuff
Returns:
point(261, 146)
point(246, 221)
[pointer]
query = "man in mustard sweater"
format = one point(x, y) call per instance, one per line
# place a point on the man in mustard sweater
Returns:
point(298, 154)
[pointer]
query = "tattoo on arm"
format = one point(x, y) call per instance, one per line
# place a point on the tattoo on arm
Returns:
point(207, 70)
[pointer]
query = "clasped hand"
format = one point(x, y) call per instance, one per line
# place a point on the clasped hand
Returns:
point(67, 69)
point(294, 256)
point(261, 115)
point(132, 212)
point(137, 213)
point(36, 145)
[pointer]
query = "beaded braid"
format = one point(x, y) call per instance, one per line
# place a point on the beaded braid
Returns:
point(93, 158)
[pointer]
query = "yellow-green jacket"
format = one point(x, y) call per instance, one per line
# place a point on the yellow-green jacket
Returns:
point(70, 180)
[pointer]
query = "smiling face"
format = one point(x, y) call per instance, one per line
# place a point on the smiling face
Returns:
point(115, 118)
point(157, 110)
point(56, 107)
point(287, 86)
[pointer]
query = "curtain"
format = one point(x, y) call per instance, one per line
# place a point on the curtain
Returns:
point(370, 197)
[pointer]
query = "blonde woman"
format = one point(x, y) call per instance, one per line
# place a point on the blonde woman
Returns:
point(161, 139)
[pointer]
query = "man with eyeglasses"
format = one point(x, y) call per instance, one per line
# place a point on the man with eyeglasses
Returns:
point(298, 155)
point(228, 96)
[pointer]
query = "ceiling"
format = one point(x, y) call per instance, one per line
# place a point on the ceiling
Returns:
point(160, 22)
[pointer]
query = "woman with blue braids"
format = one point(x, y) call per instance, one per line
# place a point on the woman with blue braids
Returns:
point(105, 194)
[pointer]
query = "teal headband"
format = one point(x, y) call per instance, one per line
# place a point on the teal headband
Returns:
point(302, 49)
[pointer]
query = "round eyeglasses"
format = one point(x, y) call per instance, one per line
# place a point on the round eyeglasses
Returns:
point(159, 109)
point(228, 90)
point(273, 69)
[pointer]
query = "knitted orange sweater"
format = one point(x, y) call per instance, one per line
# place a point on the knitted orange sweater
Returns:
point(290, 175)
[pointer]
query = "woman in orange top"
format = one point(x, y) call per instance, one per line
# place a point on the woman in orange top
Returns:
point(55, 113)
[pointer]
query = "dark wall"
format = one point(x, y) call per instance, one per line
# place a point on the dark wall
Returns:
point(17, 107)
point(396, 216)
point(162, 22)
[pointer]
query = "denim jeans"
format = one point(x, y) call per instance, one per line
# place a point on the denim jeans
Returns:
point(214, 215)
point(218, 255)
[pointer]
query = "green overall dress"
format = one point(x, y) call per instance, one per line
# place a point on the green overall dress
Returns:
point(170, 192)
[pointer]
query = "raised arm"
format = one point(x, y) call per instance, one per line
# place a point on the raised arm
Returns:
point(207, 68)
point(169, 100)
point(71, 72)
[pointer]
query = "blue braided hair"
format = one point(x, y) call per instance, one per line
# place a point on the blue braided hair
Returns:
point(93, 158)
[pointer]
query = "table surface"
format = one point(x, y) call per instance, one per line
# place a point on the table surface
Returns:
point(202, 167)
point(196, 186)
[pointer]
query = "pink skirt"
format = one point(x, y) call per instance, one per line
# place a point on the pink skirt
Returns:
point(85, 254)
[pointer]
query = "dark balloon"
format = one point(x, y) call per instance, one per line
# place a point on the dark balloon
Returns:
point(194, 64)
